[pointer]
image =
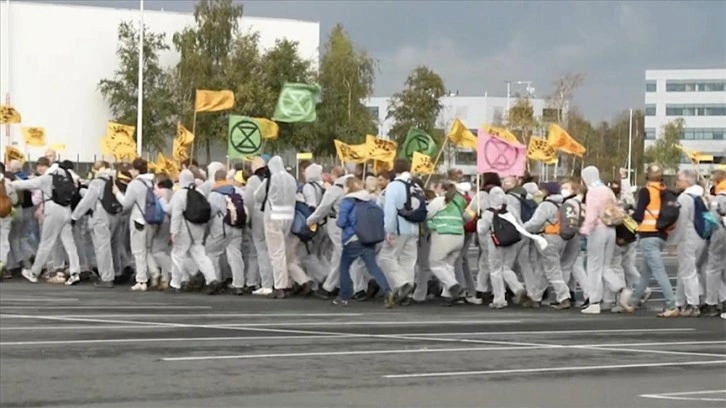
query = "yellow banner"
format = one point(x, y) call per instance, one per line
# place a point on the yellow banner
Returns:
point(183, 136)
point(12, 153)
point(58, 147)
point(268, 128)
point(8, 114)
point(540, 150)
point(381, 149)
point(501, 133)
point(119, 141)
point(34, 136)
point(422, 164)
point(164, 165)
point(562, 141)
point(379, 167)
point(461, 136)
point(213, 101)
point(351, 153)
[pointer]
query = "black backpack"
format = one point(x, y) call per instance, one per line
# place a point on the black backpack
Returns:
point(198, 209)
point(670, 209)
point(108, 199)
point(415, 214)
point(503, 232)
point(527, 207)
point(77, 196)
point(63, 188)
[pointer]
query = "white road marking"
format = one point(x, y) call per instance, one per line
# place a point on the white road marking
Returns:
point(551, 369)
point(65, 343)
point(663, 343)
point(38, 300)
point(102, 307)
point(176, 315)
point(673, 353)
point(375, 323)
point(683, 396)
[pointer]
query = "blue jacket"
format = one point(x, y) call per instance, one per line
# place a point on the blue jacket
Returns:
point(395, 200)
point(346, 216)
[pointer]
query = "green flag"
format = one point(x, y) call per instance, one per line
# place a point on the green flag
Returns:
point(297, 103)
point(244, 137)
point(417, 141)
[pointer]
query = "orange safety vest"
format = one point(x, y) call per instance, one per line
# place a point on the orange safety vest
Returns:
point(721, 187)
point(553, 228)
point(652, 210)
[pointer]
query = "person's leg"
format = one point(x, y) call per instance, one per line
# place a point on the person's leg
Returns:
point(350, 253)
point(442, 246)
point(716, 266)
point(234, 257)
point(275, 238)
point(369, 259)
point(101, 237)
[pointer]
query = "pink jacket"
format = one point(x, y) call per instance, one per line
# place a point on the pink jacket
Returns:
point(596, 200)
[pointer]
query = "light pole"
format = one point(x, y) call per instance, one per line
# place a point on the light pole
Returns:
point(140, 97)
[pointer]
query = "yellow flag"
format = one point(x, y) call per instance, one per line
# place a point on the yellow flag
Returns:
point(540, 150)
point(381, 149)
point(561, 140)
point(8, 114)
point(693, 155)
point(179, 151)
point(119, 132)
point(183, 136)
point(58, 147)
point(34, 136)
point(380, 166)
point(422, 164)
point(461, 136)
point(12, 153)
point(501, 133)
point(119, 141)
point(213, 101)
point(268, 128)
point(351, 153)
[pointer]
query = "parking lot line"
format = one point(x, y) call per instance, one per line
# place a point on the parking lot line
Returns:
point(103, 307)
point(685, 396)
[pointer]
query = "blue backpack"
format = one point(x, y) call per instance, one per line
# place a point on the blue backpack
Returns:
point(153, 213)
point(527, 207)
point(703, 220)
point(413, 212)
point(369, 223)
point(300, 226)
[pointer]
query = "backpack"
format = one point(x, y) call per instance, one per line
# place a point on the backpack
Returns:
point(471, 225)
point(414, 214)
point(153, 213)
point(703, 220)
point(300, 226)
point(6, 206)
point(369, 223)
point(613, 215)
point(670, 209)
point(316, 186)
point(528, 207)
point(198, 210)
point(235, 214)
point(63, 189)
point(570, 219)
point(626, 233)
point(108, 200)
point(77, 196)
point(503, 232)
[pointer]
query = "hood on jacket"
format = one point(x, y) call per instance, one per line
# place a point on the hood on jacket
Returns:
point(530, 189)
point(212, 169)
point(276, 165)
point(225, 189)
point(556, 198)
point(360, 195)
point(313, 172)
point(497, 197)
point(257, 163)
point(695, 190)
point(464, 187)
point(340, 181)
point(186, 178)
point(591, 176)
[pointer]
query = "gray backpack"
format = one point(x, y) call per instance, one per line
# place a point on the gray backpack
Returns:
point(570, 219)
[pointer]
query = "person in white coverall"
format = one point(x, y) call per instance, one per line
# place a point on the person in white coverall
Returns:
point(99, 222)
point(276, 195)
point(716, 267)
point(257, 225)
point(56, 224)
point(312, 194)
point(6, 222)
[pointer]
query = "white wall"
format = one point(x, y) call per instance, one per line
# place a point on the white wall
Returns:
point(58, 54)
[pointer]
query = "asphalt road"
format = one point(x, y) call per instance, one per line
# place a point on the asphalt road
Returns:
point(81, 347)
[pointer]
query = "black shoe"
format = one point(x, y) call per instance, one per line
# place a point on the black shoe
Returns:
point(103, 284)
point(403, 292)
point(585, 304)
point(278, 294)
point(359, 296)
point(249, 289)
point(322, 294)
point(372, 290)
point(184, 287)
point(213, 288)
point(455, 292)
point(406, 302)
point(306, 289)
point(125, 276)
point(238, 291)
point(572, 297)
point(173, 291)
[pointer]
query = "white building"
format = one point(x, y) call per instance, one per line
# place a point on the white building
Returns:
point(52, 58)
point(473, 111)
point(696, 95)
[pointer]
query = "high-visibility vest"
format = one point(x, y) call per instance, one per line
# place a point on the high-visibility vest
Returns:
point(652, 210)
point(552, 228)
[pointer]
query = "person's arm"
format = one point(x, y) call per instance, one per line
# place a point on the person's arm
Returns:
point(541, 216)
point(591, 213)
point(390, 210)
point(436, 205)
point(685, 217)
point(641, 205)
point(346, 206)
point(128, 199)
point(310, 195)
point(10, 190)
point(485, 222)
point(177, 210)
point(474, 204)
point(88, 201)
point(261, 191)
point(34, 183)
point(326, 205)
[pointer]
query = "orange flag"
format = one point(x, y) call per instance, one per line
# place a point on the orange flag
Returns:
point(562, 141)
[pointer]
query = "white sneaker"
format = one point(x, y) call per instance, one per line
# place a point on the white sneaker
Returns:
point(645, 297)
point(723, 315)
point(624, 298)
point(73, 279)
point(474, 300)
point(617, 309)
point(592, 309)
point(139, 287)
point(262, 291)
point(29, 276)
point(498, 305)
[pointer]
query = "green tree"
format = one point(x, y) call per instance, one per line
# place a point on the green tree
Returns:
point(417, 105)
point(121, 91)
point(521, 119)
point(582, 130)
point(665, 151)
point(205, 52)
point(346, 76)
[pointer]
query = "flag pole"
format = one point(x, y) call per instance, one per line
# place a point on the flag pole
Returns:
point(194, 129)
point(436, 162)
point(630, 145)
point(140, 96)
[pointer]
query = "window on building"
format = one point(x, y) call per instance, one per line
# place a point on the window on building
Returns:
point(695, 110)
point(651, 86)
point(551, 115)
point(708, 85)
point(650, 134)
point(702, 134)
point(374, 112)
point(464, 158)
point(649, 110)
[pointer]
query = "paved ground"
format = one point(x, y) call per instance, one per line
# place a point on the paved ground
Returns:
point(82, 347)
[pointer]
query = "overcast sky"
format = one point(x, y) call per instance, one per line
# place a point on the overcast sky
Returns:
point(476, 45)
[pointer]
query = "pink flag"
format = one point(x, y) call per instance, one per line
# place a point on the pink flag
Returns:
point(499, 156)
